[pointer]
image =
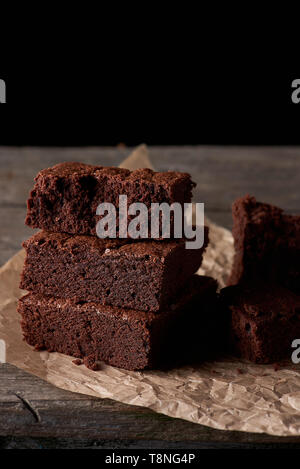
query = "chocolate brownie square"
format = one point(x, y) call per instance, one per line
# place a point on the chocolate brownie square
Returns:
point(142, 275)
point(125, 338)
point(65, 197)
point(267, 244)
point(264, 318)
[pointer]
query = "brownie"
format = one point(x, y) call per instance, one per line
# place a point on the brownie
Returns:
point(65, 197)
point(142, 275)
point(267, 244)
point(125, 338)
point(264, 318)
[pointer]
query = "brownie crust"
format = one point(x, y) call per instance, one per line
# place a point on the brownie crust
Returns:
point(124, 338)
point(265, 319)
point(66, 196)
point(267, 244)
point(143, 275)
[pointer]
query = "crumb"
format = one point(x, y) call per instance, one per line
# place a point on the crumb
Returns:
point(39, 347)
point(91, 364)
point(240, 371)
point(276, 367)
point(77, 361)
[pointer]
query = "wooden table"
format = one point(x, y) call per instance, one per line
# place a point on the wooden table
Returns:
point(35, 414)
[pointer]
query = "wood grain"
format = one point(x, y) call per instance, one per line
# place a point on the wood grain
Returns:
point(32, 407)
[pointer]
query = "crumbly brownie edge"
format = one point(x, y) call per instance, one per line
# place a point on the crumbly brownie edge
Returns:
point(141, 275)
point(128, 339)
point(68, 203)
point(259, 236)
point(264, 319)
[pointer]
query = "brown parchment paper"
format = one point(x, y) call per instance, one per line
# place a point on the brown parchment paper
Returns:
point(226, 394)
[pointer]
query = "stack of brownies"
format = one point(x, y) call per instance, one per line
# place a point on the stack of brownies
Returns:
point(130, 303)
point(264, 299)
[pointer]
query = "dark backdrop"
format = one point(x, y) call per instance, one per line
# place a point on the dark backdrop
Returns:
point(112, 107)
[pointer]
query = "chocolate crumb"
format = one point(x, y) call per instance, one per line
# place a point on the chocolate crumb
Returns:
point(91, 363)
point(77, 361)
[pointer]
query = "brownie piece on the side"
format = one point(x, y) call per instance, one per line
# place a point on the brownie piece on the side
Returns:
point(66, 196)
point(124, 338)
point(267, 244)
point(142, 275)
point(265, 319)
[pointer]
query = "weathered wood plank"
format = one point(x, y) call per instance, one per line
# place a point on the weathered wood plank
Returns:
point(222, 173)
point(12, 231)
point(62, 414)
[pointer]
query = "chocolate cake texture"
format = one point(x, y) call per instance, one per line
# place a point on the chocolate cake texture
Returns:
point(124, 338)
point(267, 244)
point(142, 275)
point(264, 319)
point(65, 197)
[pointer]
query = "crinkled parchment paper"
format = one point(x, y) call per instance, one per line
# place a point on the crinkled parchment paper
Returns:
point(227, 394)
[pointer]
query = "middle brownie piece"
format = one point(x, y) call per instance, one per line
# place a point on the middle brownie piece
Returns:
point(142, 275)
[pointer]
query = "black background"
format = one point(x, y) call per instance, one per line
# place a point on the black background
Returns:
point(168, 106)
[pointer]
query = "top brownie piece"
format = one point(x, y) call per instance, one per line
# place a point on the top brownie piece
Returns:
point(65, 197)
point(267, 244)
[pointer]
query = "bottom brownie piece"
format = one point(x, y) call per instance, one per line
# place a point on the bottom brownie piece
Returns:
point(265, 319)
point(125, 338)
